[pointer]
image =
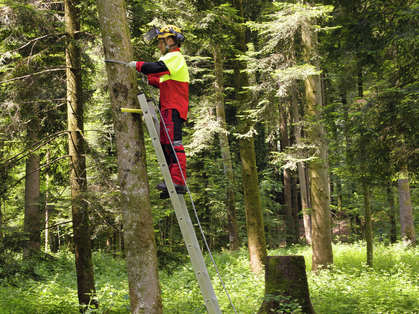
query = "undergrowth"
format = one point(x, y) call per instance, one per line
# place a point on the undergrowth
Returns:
point(391, 286)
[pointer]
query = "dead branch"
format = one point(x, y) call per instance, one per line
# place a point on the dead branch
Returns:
point(32, 74)
point(37, 145)
point(35, 170)
point(29, 42)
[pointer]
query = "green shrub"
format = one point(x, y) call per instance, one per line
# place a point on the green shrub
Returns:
point(391, 286)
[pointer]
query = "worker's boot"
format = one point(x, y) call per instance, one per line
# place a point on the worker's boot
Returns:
point(164, 195)
point(180, 189)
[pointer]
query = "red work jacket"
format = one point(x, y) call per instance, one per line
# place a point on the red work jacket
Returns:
point(171, 75)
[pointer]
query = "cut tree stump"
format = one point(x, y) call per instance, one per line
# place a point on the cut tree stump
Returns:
point(286, 283)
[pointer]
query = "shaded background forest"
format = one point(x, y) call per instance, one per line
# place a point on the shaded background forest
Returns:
point(368, 52)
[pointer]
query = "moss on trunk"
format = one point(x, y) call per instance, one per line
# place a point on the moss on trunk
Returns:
point(140, 244)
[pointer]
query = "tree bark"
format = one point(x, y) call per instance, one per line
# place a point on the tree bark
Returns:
point(1, 222)
point(339, 197)
point(285, 279)
point(295, 208)
point(392, 214)
point(47, 212)
point(32, 220)
point(321, 214)
point(253, 206)
point(406, 218)
point(301, 169)
point(289, 223)
point(78, 182)
point(139, 239)
point(225, 150)
point(368, 224)
point(254, 219)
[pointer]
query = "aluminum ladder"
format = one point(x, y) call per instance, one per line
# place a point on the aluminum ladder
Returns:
point(179, 205)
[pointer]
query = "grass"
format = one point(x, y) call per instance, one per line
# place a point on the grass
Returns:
point(391, 286)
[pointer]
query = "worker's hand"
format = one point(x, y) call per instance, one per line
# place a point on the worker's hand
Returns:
point(132, 65)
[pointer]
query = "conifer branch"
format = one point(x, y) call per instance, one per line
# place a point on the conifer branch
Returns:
point(29, 42)
point(37, 169)
point(37, 145)
point(32, 74)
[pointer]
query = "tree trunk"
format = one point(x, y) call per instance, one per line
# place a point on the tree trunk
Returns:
point(321, 214)
point(339, 197)
point(287, 179)
point(32, 218)
point(139, 239)
point(1, 221)
point(368, 224)
point(47, 212)
point(78, 182)
point(285, 282)
point(406, 218)
point(392, 214)
point(225, 150)
point(301, 169)
point(295, 208)
point(253, 207)
point(252, 200)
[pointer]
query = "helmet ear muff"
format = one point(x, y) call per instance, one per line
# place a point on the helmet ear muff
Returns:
point(179, 36)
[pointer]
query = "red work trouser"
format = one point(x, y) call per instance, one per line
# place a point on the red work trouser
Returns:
point(173, 131)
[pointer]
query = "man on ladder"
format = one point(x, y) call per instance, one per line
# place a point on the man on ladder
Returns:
point(170, 74)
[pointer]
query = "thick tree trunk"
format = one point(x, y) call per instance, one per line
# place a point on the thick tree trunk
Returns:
point(285, 282)
point(254, 218)
point(78, 182)
point(406, 218)
point(368, 224)
point(225, 150)
point(289, 223)
point(301, 169)
point(139, 239)
point(321, 214)
point(253, 206)
point(32, 218)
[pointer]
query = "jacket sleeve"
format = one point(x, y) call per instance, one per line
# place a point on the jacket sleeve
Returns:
point(158, 68)
point(153, 81)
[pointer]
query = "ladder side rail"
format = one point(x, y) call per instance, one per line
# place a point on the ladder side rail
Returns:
point(197, 254)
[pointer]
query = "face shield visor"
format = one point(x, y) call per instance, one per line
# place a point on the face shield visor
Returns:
point(149, 37)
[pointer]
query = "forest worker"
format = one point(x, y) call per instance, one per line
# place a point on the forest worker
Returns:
point(170, 75)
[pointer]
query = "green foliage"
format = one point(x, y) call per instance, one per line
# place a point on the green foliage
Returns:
point(353, 288)
point(284, 304)
point(350, 287)
point(12, 268)
point(181, 293)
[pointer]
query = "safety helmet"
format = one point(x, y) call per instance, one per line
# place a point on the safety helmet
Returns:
point(167, 31)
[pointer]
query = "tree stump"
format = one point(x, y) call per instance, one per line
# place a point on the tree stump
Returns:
point(285, 285)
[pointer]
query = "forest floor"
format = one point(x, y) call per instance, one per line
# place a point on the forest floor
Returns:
point(391, 286)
